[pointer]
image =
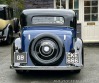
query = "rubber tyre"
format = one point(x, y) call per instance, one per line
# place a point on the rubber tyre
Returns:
point(83, 56)
point(77, 71)
point(48, 62)
point(16, 25)
point(19, 71)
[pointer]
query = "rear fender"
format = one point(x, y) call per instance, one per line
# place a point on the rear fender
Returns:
point(17, 44)
point(15, 47)
point(78, 46)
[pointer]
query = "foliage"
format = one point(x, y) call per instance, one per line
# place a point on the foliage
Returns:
point(18, 5)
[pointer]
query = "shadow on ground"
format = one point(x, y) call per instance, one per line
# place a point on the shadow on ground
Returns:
point(49, 75)
point(4, 44)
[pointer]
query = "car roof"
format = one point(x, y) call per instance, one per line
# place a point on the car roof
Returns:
point(3, 5)
point(49, 12)
point(28, 14)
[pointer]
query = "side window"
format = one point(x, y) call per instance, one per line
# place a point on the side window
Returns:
point(10, 13)
point(74, 5)
point(2, 14)
point(7, 14)
point(91, 10)
point(61, 4)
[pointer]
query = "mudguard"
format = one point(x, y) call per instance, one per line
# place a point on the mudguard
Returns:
point(78, 46)
point(3, 23)
point(15, 46)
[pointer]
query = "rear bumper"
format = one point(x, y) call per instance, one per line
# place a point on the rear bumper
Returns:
point(46, 67)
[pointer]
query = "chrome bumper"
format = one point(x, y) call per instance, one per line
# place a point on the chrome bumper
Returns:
point(46, 67)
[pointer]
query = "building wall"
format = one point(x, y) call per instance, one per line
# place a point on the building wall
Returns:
point(39, 4)
point(87, 12)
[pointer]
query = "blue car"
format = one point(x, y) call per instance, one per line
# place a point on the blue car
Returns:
point(48, 41)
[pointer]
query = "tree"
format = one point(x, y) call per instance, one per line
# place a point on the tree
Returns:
point(6, 1)
point(2, 1)
point(18, 5)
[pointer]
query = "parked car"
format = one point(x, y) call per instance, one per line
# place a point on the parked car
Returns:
point(48, 42)
point(8, 24)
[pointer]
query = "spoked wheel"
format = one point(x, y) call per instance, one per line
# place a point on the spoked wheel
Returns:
point(19, 71)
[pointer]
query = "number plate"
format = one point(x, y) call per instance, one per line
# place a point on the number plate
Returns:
point(20, 57)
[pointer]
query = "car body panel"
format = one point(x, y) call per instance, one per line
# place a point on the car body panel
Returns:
point(3, 23)
point(8, 23)
point(65, 33)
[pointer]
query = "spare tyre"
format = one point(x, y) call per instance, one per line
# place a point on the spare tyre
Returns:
point(16, 25)
point(46, 49)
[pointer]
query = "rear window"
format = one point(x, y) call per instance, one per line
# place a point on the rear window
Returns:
point(44, 20)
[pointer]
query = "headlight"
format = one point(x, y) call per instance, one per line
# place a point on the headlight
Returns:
point(72, 58)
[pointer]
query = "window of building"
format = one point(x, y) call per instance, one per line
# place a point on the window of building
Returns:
point(91, 10)
point(61, 4)
point(74, 5)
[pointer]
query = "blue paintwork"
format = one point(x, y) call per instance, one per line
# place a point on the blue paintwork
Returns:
point(34, 31)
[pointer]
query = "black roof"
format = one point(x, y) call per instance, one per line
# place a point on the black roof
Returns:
point(28, 14)
point(61, 12)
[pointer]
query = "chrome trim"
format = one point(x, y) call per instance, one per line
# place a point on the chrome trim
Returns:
point(46, 67)
point(29, 36)
point(64, 37)
point(45, 43)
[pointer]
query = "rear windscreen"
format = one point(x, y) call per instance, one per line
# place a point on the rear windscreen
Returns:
point(57, 20)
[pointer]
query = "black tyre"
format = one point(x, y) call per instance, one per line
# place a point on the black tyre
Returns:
point(77, 71)
point(83, 56)
point(9, 36)
point(46, 49)
point(19, 71)
point(16, 25)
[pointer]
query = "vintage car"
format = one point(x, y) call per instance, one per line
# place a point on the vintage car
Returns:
point(48, 41)
point(8, 24)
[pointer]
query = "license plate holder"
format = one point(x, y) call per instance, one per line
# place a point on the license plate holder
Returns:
point(20, 57)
